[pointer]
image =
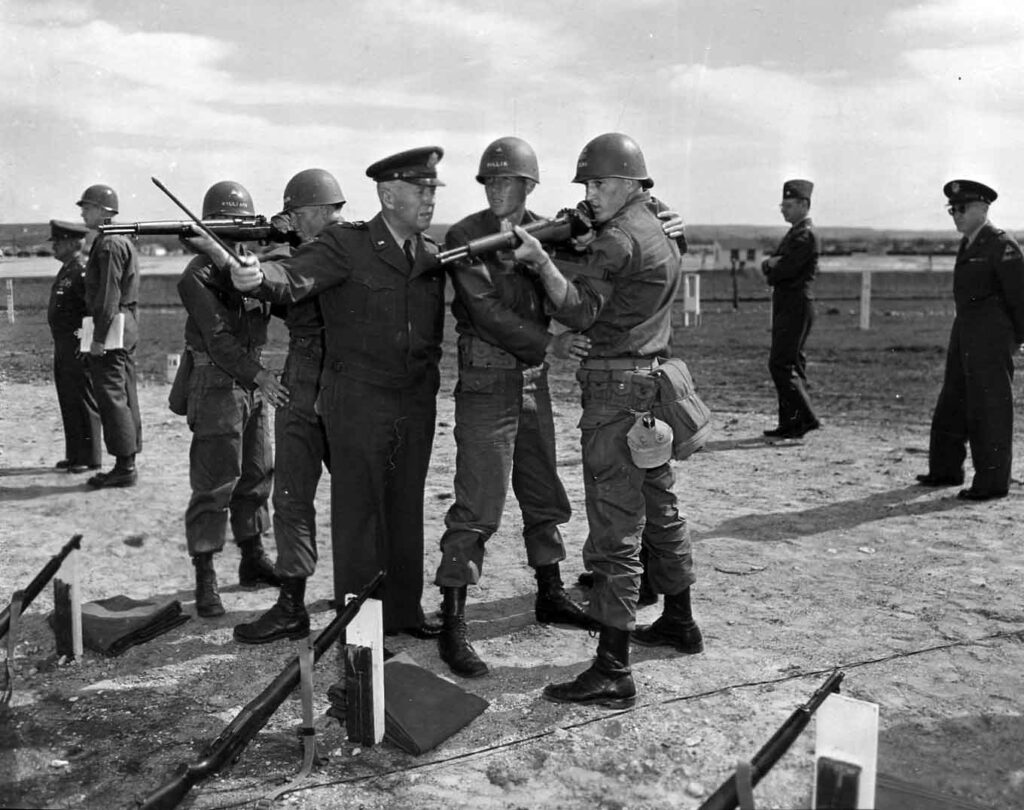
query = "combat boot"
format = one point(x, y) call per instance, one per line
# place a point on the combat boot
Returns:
point(608, 682)
point(255, 569)
point(553, 605)
point(287, 618)
point(453, 643)
point(674, 628)
point(208, 604)
point(122, 474)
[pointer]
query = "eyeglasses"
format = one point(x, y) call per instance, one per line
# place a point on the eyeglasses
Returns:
point(956, 209)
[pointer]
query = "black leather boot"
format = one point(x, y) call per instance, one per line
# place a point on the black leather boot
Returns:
point(208, 604)
point(122, 474)
point(453, 643)
point(287, 618)
point(608, 682)
point(553, 605)
point(674, 628)
point(255, 570)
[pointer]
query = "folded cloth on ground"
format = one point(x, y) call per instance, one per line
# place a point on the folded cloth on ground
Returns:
point(421, 709)
point(110, 626)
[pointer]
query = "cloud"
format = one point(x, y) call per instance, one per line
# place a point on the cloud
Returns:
point(998, 19)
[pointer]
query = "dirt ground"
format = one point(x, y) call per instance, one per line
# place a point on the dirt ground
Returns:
point(810, 555)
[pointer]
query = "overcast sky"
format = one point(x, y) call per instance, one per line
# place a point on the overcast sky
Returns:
point(879, 102)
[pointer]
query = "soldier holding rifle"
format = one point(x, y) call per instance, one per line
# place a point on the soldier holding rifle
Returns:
point(231, 459)
point(622, 305)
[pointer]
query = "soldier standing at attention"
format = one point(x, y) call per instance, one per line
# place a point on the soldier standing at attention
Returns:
point(112, 288)
point(622, 305)
point(312, 200)
point(78, 410)
point(231, 460)
point(503, 419)
point(975, 404)
point(790, 271)
point(381, 294)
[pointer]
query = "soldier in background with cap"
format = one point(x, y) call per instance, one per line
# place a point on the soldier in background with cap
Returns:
point(231, 459)
point(78, 410)
point(111, 289)
point(975, 405)
point(790, 271)
point(312, 200)
point(382, 299)
point(622, 305)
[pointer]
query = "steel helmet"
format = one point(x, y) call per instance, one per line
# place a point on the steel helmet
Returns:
point(227, 199)
point(612, 155)
point(101, 195)
point(509, 157)
point(312, 187)
point(649, 441)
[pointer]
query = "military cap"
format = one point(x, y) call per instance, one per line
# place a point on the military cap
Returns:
point(416, 166)
point(962, 191)
point(60, 229)
point(797, 190)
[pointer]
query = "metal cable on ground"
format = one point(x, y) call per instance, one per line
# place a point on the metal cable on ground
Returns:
point(479, 752)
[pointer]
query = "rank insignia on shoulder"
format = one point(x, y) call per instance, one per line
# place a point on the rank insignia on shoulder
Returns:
point(1011, 253)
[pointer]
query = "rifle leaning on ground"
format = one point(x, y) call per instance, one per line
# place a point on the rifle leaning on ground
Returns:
point(247, 724)
point(237, 229)
point(569, 222)
point(37, 584)
point(727, 795)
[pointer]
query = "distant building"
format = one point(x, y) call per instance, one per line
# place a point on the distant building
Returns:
point(740, 252)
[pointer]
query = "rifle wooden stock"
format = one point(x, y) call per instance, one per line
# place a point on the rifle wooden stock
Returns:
point(568, 223)
point(39, 581)
point(239, 732)
point(726, 797)
point(241, 229)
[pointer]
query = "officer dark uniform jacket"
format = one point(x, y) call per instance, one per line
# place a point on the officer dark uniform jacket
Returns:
point(383, 327)
point(793, 315)
point(112, 287)
point(975, 404)
point(78, 409)
point(231, 458)
point(627, 316)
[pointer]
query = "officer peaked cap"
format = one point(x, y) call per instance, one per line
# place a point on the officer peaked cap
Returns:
point(962, 191)
point(60, 229)
point(797, 190)
point(416, 166)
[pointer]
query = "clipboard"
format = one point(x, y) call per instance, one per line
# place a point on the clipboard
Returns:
point(115, 334)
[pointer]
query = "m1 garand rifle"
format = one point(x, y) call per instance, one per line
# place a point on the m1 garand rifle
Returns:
point(568, 223)
point(235, 229)
point(239, 732)
point(33, 589)
point(727, 796)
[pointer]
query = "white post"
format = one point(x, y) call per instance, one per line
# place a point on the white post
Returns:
point(865, 299)
point(846, 753)
point(10, 300)
point(75, 600)
point(691, 298)
point(367, 630)
point(173, 361)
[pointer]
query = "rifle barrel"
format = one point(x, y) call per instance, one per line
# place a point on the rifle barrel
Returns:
point(32, 590)
point(239, 732)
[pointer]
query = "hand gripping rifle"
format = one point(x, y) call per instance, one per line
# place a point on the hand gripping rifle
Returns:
point(247, 724)
point(727, 795)
point(569, 222)
point(37, 584)
point(237, 229)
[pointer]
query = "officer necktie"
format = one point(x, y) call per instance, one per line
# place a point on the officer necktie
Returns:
point(409, 257)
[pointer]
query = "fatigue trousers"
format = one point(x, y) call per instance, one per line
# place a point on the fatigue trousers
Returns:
point(300, 453)
point(627, 505)
point(114, 385)
point(975, 404)
point(78, 409)
point(230, 461)
point(792, 318)
point(380, 440)
point(503, 426)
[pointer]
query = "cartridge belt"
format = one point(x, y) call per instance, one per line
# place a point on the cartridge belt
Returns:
point(479, 353)
point(619, 364)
